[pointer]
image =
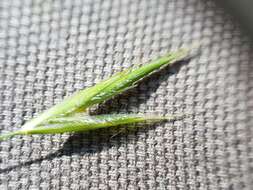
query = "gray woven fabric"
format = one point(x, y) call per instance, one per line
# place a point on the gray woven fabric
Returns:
point(49, 49)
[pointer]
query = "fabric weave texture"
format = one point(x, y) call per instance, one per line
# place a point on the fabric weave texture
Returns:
point(51, 48)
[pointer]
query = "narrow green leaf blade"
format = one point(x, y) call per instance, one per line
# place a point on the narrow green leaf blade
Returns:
point(81, 123)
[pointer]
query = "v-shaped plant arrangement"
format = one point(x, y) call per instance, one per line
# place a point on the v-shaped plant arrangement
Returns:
point(71, 115)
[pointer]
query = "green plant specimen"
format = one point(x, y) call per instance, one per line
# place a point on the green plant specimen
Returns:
point(71, 114)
